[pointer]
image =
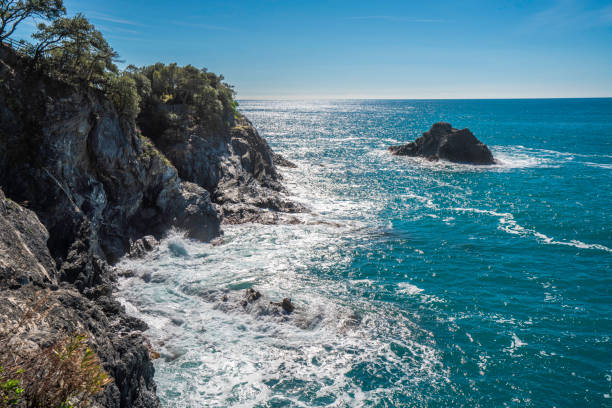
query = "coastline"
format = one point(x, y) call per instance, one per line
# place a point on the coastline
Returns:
point(98, 186)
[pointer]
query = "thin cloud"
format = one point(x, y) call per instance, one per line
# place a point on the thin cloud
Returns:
point(203, 26)
point(115, 29)
point(123, 38)
point(111, 19)
point(399, 19)
point(569, 15)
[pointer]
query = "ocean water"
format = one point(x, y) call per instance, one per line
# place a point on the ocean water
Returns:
point(417, 284)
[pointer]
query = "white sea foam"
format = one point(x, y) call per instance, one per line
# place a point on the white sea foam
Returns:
point(217, 353)
point(408, 289)
point(607, 166)
point(515, 344)
point(230, 357)
point(508, 224)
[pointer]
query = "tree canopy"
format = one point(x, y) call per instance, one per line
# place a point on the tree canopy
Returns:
point(14, 12)
point(200, 93)
point(74, 51)
point(74, 47)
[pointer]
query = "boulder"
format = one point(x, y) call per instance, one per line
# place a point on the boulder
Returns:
point(442, 141)
point(251, 295)
point(279, 160)
point(142, 246)
point(286, 305)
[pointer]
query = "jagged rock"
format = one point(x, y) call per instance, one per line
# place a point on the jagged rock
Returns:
point(94, 185)
point(63, 310)
point(141, 247)
point(88, 174)
point(442, 141)
point(251, 295)
point(235, 165)
point(279, 160)
point(286, 305)
point(24, 257)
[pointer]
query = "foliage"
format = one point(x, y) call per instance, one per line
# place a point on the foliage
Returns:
point(10, 391)
point(68, 373)
point(197, 92)
point(75, 51)
point(14, 12)
point(123, 92)
point(156, 97)
point(149, 152)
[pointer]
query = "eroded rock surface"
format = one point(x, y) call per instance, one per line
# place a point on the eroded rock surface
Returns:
point(85, 186)
point(89, 175)
point(235, 165)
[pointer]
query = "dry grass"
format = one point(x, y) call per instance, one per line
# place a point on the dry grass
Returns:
point(66, 374)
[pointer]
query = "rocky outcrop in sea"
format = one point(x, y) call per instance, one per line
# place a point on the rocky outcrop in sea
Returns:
point(84, 186)
point(442, 141)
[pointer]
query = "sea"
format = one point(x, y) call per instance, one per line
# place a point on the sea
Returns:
point(416, 283)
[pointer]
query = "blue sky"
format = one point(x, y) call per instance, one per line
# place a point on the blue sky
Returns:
point(372, 49)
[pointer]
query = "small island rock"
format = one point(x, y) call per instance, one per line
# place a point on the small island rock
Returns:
point(442, 141)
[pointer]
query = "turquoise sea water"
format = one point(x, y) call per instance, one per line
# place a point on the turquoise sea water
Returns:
point(417, 283)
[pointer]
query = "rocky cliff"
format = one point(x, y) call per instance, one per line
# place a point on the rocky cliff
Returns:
point(84, 183)
point(234, 164)
point(28, 277)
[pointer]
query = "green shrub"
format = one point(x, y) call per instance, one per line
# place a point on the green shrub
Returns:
point(10, 391)
point(201, 94)
point(124, 95)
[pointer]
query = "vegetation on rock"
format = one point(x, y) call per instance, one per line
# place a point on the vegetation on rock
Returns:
point(74, 51)
point(169, 92)
point(67, 373)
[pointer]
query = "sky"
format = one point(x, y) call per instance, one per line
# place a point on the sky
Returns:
point(313, 49)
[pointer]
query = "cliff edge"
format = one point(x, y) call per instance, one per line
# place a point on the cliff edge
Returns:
point(82, 183)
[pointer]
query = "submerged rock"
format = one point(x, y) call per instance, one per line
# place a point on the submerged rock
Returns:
point(286, 305)
point(252, 295)
point(442, 141)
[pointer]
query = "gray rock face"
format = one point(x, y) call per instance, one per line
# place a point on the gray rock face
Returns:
point(236, 166)
point(29, 276)
point(23, 245)
point(442, 141)
point(88, 175)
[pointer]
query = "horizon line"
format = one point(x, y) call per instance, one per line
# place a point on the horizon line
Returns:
point(419, 99)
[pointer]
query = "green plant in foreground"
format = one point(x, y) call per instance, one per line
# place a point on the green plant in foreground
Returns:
point(10, 391)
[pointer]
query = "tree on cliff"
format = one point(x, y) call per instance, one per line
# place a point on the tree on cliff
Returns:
point(124, 94)
point(14, 12)
point(200, 93)
point(74, 48)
